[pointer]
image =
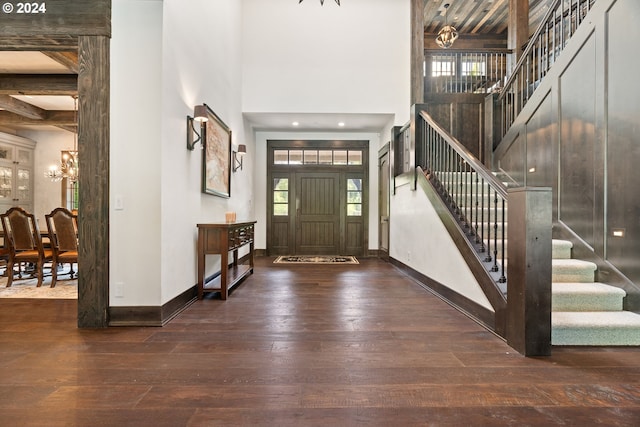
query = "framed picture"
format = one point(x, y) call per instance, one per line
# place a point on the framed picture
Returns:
point(216, 161)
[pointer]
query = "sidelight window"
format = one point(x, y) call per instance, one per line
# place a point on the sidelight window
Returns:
point(281, 196)
point(354, 197)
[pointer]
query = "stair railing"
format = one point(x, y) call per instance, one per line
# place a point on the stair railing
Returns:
point(472, 193)
point(478, 201)
point(556, 28)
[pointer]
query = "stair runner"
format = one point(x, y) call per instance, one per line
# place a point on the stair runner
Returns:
point(585, 312)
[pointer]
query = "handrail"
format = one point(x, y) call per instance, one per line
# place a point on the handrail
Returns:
point(541, 52)
point(475, 164)
point(530, 45)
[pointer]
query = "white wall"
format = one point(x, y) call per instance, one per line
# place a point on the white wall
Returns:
point(309, 58)
point(201, 64)
point(135, 152)
point(419, 240)
point(324, 59)
point(166, 57)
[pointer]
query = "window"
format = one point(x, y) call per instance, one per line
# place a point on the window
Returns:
point(355, 157)
point(474, 68)
point(443, 66)
point(281, 157)
point(318, 157)
point(280, 196)
point(354, 197)
point(295, 157)
point(310, 157)
point(340, 157)
point(325, 157)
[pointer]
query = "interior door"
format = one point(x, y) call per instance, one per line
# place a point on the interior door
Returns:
point(317, 213)
point(383, 200)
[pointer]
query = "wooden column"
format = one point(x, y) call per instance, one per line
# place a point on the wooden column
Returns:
point(93, 148)
point(518, 32)
point(529, 271)
point(417, 52)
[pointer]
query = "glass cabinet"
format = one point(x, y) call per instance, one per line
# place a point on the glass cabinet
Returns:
point(16, 172)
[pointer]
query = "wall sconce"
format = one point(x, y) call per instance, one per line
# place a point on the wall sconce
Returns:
point(238, 155)
point(200, 116)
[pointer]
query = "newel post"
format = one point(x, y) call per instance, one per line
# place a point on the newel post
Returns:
point(529, 271)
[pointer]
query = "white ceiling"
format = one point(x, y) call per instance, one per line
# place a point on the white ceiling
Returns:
point(318, 122)
point(19, 62)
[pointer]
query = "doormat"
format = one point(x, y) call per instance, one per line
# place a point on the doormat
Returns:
point(305, 259)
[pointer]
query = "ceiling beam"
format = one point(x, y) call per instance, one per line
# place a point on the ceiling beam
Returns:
point(21, 108)
point(67, 59)
point(38, 84)
point(53, 118)
point(72, 129)
point(31, 43)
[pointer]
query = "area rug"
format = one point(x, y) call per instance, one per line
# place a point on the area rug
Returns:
point(27, 288)
point(317, 259)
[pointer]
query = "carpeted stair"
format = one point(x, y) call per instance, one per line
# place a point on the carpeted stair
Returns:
point(585, 312)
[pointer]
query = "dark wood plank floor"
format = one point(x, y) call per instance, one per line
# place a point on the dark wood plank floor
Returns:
point(302, 346)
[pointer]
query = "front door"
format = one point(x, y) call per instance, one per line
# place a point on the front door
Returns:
point(317, 201)
point(317, 213)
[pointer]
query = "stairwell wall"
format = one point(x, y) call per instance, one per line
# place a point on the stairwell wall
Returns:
point(578, 135)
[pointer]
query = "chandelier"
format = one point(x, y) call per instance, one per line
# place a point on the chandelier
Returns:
point(322, 2)
point(448, 34)
point(68, 166)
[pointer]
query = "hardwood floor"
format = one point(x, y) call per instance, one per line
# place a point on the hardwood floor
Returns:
point(300, 345)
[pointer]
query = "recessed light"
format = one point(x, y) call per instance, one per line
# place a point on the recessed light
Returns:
point(295, 124)
point(341, 124)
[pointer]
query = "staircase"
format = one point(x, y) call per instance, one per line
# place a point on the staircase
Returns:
point(585, 312)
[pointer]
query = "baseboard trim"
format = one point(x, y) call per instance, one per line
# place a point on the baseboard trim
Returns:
point(158, 315)
point(152, 315)
point(471, 309)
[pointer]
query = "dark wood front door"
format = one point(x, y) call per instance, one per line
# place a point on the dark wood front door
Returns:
point(317, 215)
point(317, 197)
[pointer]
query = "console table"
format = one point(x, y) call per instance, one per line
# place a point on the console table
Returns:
point(222, 238)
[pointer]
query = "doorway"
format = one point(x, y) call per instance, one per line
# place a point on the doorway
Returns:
point(317, 197)
point(384, 172)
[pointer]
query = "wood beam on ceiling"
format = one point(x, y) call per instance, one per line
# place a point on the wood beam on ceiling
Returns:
point(21, 108)
point(72, 129)
point(67, 59)
point(39, 84)
point(52, 118)
point(35, 43)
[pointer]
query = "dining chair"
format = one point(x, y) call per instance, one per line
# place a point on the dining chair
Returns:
point(63, 235)
point(22, 239)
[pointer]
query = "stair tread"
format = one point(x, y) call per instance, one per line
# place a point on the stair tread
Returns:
point(572, 264)
point(561, 243)
point(595, 328)
point(596, 319)
point(579, 288)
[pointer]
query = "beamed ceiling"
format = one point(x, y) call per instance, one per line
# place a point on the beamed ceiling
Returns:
point(38, 75)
